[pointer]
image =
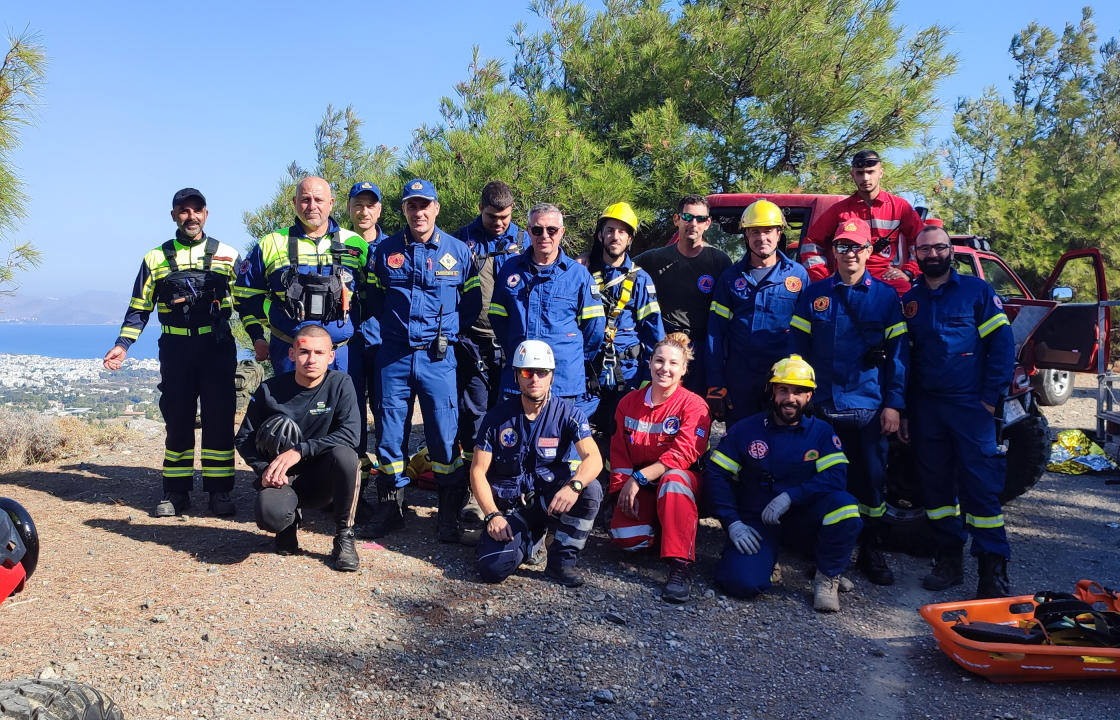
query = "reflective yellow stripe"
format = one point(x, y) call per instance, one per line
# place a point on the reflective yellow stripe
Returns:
point(875, 512)
point(175, 456)
point(827, 461)
point(170, 330)
point(447, 469)
point(845, 512)
point(648, 309)
point(994, 322)
point(799, 323)
point(137, 304)
point(496, 309)
point(178, 472)
point(895, 330)
point(943, 512)
point(592, 311)
point(392, 468)
point(978, 521)
point(472, 284)
point(725, 462)
point(217, 471)
point(130, 332)
point(722, 310)
point(244, 292)
point(217, 454)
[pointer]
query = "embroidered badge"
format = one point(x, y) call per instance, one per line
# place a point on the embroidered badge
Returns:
point(508, 437)
point(910, 309)
point(244, 267)
point(417, 185)
point(793, 284)
point(447, 261)
point(811, 455)
point(821, 303)
point(395, 260)
point(850, 227)
point(836, 442)
point(548, 442)
point(700, 432)
point(997, 301)
point(758, 449)
point(512, 280)
point(740, 283)
point(705, 283)
point(319, 409)
point(672, 425)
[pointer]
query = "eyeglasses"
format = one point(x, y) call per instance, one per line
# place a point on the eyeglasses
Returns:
point(845, 248)
point(939, 249)
point(865, 163)
point(530, 372)
point(539, 230)
point(689, 217)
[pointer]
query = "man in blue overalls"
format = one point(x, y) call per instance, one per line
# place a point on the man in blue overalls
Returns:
point(748, 327)
point(849, 327)
point(522, 481)
point(962, 359)
point(422, 288)
point(781, 474)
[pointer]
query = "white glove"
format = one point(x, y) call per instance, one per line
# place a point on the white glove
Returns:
point(772, 513)
point(745, 538)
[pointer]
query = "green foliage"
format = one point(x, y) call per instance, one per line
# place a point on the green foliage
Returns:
point(1040, 174)
point(21, 77)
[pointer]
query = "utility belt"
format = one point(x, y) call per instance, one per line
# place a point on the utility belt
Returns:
point(611, 360)
point(315, 296)
point(292, 341)
point(173, 330)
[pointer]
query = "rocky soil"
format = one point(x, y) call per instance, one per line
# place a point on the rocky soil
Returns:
point(194, 617)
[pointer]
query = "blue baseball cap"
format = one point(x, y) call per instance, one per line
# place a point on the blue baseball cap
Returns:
point(365, 186)
point(419, 188)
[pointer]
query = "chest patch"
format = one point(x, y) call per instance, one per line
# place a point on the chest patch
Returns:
point(793, 284)
point(319, 409)
point(672, 425)
point(740, 284)
point(395, 260)
point(758, 449)
point(548, 442)
point(508, 437)
point(447, 262)
point(512, 280)
point(245, 265)
point(910, 309)
point(821, 303)
point(811, 455)
point(704, 283)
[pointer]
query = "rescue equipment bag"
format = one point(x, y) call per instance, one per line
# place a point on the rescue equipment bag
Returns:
point(314, 296)
point(194, 291)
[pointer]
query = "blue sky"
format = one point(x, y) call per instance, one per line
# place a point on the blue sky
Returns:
point(141, 100)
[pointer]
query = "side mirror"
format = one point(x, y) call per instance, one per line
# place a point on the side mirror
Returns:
point(1061, 294)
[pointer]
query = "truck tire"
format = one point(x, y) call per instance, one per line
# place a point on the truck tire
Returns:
point(1028, 452)
point(32, 699)
point(1052, 387)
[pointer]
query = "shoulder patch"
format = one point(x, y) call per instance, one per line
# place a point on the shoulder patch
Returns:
point(512, 280)
point(758, 449)
point(705, 283)
point(998, 303)
point(793, 284)
point(395, 260)
point(821, 303)
point(836, 442)
point(245, 265)
point(910, 309)
point(811, 455)
point(740, 283)
point(700, 432)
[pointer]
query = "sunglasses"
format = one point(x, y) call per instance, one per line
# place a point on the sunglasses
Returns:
point(530, 372)
point(867, 163)
point(939, 249)
point(539, 230)
point(689, 217)
point(845, 248)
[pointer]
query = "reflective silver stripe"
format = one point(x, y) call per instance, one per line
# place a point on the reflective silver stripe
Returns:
point(566, 540)
point(584, 525)
point(815, 260)
point(678, 487)
point(627, 472)
point(632, 531)
point(496, 552)
point(884, 224)
point(644, 426)
point(809, 247)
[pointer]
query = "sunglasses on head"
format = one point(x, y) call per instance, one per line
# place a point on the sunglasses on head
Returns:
point(539, 230)
point(689, 217)
point(530, 372)
point(865, 163)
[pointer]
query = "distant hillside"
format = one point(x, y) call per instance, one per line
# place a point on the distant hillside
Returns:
point(92, 307)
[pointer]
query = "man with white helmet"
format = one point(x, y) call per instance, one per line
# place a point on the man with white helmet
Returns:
point(522, 481)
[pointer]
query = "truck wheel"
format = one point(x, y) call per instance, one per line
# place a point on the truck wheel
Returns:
point(32, 699)
point(1028, 452)
point(1052, 387)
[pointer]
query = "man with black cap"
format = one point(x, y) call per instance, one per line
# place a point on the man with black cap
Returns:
point(189, 280)
point(298, 436)
point(894, 226)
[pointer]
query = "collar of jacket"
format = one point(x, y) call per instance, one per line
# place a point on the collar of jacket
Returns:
point(432, 240)
point(296, 230)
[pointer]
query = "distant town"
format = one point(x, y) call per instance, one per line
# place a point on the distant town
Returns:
point(55, 386)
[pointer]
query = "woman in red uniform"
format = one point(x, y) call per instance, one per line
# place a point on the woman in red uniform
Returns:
point(661, 432)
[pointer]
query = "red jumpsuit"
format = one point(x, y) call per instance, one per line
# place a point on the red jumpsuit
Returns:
point(888, 215)
point(675, 433)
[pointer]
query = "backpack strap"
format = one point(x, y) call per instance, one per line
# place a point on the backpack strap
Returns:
point(169, 254)
point(209, 252)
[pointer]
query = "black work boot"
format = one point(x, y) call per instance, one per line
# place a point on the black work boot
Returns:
point(388, 515)
point(679, 582)
point(286, 541)
point(947, 570)
point(344, 556)
point(172, 504)
point(447, 520)
point(471, 514)
point(993, 582)
point(563, 572)
point(873, 564)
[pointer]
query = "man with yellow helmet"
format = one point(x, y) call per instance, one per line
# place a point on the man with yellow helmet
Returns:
point(791, 473)
point(748, 325)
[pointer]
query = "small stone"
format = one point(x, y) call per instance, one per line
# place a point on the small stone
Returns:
point(47, 673)
point(147, 604)
point(825, 668)
point(479, 622)
point(603, 696)
point(615, 618)
point(709, 594)
point(161, 618)
point(205, 637)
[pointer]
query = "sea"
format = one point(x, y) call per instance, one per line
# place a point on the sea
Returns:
point(73, 341)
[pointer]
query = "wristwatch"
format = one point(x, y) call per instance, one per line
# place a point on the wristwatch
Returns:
point(486, 520)
point(576, 485)
point(642, 479)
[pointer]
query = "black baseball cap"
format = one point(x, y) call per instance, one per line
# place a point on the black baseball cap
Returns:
point(865, 159)
point(185, 194)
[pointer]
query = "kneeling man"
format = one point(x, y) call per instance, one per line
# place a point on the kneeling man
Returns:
point(521, 480)
point(298, 435)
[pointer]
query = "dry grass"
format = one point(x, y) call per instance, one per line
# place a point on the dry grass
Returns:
point(28, 438)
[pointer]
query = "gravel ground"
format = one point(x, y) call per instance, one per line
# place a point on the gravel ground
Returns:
point(194, 617)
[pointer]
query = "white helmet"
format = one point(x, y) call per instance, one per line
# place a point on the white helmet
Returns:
point(534, 354)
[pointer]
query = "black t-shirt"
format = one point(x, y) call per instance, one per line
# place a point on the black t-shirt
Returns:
point(684, 286)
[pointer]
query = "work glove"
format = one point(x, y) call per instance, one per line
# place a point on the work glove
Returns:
point(745, 538)
point(718, 403)
point(592, 378)
point(772, 513)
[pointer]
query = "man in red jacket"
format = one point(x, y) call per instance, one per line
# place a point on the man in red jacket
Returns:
point(894, 226)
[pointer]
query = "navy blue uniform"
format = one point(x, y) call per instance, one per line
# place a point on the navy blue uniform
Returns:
point(362, 357)
point(855, 339)
point(478, 352)
point(758, 460)
point(417, 291)
point(528, 461)
point(748, 330)
point(962, 355)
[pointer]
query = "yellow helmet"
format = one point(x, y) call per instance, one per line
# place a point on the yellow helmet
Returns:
point(762, 213)
point(793, 370)
point(623, 213)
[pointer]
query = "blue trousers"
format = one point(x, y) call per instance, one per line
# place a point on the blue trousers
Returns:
point(404, 374)
point(829, 525)
point(480, 377)
point(746, 389)
point(495, 560)
point(866, 449)
point(960, 467)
